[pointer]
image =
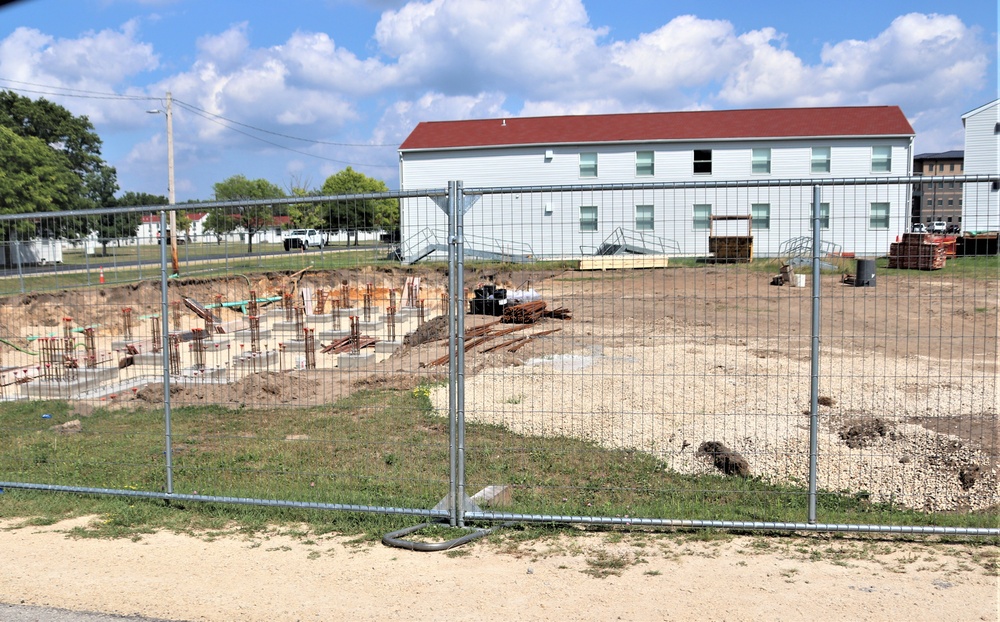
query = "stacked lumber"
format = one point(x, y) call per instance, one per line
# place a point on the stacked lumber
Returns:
point(526, 313)
point(916, 252)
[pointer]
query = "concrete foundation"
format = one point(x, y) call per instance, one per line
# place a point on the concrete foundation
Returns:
point(84, 380)
point(369, 328)
point(243, 336)
point(211, 374)
point(387, 347)
point(364, 360)
point(332, 335)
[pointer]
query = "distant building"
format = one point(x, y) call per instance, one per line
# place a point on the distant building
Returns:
point(981, 202)
point(938, 200)
point(636, 148)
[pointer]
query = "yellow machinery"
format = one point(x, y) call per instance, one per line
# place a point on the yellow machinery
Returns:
point(737, 248)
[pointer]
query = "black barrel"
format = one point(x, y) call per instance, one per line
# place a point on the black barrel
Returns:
point(865, 276)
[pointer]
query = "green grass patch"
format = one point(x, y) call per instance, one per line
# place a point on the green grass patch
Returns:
point(373, 448)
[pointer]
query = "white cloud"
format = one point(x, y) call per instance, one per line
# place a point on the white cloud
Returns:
point(402, 116)
point(456, 59)
point(96, 62)
point(226, 50)
point(918, 61)
point(468, 46)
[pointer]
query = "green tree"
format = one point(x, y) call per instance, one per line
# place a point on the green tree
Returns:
point(359, 214)
point(119, 225)
point(304, 215)
point(70, 136)
point(33, 178)
point(252, 218)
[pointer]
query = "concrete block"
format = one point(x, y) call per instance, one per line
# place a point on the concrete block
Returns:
point(363, 360)
point(389, 347)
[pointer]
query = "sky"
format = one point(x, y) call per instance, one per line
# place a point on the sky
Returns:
point(294, 92)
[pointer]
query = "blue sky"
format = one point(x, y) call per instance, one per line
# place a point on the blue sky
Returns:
point(353, 77)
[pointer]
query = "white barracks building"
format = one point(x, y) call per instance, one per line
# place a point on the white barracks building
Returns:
point(647, 148)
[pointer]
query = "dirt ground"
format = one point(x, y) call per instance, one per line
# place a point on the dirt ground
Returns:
point(280, 577)
point(931, 341)
point(914, 359)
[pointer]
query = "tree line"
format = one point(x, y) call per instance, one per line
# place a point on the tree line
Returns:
point(50, 161)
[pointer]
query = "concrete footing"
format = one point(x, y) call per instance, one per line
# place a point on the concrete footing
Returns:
point(362, 360)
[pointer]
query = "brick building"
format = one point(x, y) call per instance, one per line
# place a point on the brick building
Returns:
point(938, 199)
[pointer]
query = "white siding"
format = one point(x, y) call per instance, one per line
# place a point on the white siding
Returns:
point(515, 220)
point(981, 202)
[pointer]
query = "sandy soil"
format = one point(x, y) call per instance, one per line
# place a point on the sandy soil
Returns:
point(277, 577)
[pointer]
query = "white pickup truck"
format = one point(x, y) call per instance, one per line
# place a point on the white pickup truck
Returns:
point(303, 238)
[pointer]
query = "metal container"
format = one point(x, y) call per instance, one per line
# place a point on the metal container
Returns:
point(865, 276)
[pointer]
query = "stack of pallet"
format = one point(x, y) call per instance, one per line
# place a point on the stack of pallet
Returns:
point(916, 252)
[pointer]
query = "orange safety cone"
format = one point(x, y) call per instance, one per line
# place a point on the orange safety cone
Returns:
point(102, 274)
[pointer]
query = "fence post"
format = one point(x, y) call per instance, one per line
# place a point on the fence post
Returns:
point(460, 347)
point(814, 356)
point(454, 287)
point(165, 349)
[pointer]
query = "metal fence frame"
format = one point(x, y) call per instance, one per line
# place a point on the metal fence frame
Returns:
point(456, 508)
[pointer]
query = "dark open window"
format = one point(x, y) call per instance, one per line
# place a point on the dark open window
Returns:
point(703, 161)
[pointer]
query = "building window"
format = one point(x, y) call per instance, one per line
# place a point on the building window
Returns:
point(879, 216)
point(882, 160)
point(824, 215)
point(821, 160)
point(940, 202)
point(761, 215)
point(588, 218)
point(952, 168)
point(760, 160)
point(951, 201)
point(702, 212)
point(644, 164)
point(703, 161)
point(644, 218)
point(588, 165)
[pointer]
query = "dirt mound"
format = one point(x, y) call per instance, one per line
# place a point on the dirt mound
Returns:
point(725, 459)
point(432, 330)
point(860, 434)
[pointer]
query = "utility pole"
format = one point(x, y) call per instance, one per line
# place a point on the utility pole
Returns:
point(171, 198)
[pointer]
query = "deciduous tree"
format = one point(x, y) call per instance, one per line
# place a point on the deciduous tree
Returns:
point(251, 217)
point(359, 214)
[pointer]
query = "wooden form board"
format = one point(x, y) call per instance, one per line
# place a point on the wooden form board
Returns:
point(623, 262)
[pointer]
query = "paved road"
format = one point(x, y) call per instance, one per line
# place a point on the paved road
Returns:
point(23, 613)
point(111, 262)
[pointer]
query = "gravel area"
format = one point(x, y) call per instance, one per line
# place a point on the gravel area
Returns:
point(667, 395)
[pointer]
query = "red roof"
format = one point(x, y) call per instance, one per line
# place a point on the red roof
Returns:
point(661, 126)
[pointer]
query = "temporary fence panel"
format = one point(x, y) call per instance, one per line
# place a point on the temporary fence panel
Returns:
point(291, 372)
point(660, 354)
point(693, 389)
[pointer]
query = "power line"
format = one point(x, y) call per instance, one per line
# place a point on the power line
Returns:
point(262, 130)
point(77, 93)
point(208, 116)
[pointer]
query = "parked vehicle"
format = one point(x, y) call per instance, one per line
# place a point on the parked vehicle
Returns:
point(939, 226)
point(954, 229)
point(918, 227)
point(303, 238)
